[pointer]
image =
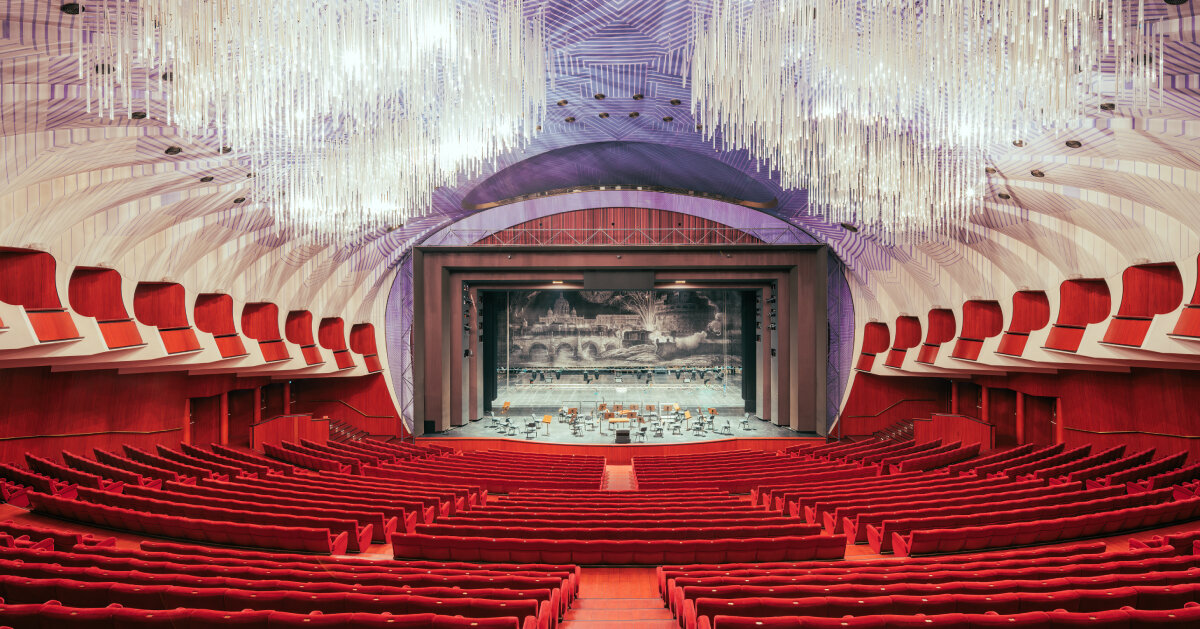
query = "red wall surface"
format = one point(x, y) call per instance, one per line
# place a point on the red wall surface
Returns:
point(47, 412)
point(876, 402)
point(1143, 408)
point(363, 402)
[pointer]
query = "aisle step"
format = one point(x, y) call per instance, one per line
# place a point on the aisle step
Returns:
point(618, 603)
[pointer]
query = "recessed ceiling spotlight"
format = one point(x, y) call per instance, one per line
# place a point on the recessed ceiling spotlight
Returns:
point(667, 118)
point(676, 101)
point(71, 8)
point(225, 150)
point(206, 179)
point(699, 127)
point(570, 118)
point(1037, 173)
point(240, 200)
point(598, 96)
point(850, 227)
point(138, 115)
point(634, 114)
point(539, 127)
point(104, 68)
point(1175, 3)
point(1018, 143)
point(173, 150)
point(556, 281)
point(604, 114)
point(1074, 144)
point(1108, 106)
point(563, 103)
point(681, 281)
point(638, 97)
point(1004, 195)
point(168, 76)
point(990, 170)
point(248, 175)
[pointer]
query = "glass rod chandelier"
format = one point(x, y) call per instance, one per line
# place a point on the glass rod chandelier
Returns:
point(887, 111)
point(349, 112)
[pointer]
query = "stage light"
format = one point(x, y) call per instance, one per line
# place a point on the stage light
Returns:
point(556, 282)
point(681, 281)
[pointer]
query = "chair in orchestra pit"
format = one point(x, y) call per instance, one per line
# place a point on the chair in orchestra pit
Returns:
point(640, 434)
point(510, 428)
point(726, 429)
point(658, 428)
point(531, 428)
point(746, 422)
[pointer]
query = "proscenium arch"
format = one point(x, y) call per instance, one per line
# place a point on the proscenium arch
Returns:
point(476, 227)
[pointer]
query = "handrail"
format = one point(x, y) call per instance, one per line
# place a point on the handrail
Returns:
point(890, 407)
point(959, 415)
point(343, 403)
point(838, 423)
point(92, 434)
point(273, 418)
point(1131, 432)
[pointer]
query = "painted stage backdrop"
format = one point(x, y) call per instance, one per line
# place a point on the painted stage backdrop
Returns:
point(576, 329)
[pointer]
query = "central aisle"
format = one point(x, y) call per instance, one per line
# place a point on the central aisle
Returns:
point(618, 597)
point(618, 477)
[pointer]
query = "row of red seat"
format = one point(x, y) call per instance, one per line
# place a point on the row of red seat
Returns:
point(57, 616)
point(1188, 616)
point(623, 533)
point(359, 535)
point(1086, 552)
point(1012, 467)
point(935, 458)
point(1000, 455)
point(302, 459)
point(385, 515)
point(1146, 470)
point(854, 517)
point(491, 483)
point(287, 589)
point(22, 590)
point(1045, 531)
point(110, 564)
point(1066, 504)
point(1104, 469)
point(917, 580)
point(645, 552)
point(1067, 461)
point(1010, 603)
point(316, 540)
point(841, 504)
point(189, 556)
point(1189, 473)
point(25, 479)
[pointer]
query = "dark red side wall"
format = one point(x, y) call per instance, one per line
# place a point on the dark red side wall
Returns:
point(876, 402)
point(47, 412)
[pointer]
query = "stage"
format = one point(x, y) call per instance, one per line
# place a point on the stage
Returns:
point(558, 431)
point(616, 454)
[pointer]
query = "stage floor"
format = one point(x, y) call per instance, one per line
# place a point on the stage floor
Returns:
point(540, 398)
point(560, 432)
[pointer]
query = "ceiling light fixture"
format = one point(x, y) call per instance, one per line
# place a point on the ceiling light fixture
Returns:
point(350, 111)
point(882, 110)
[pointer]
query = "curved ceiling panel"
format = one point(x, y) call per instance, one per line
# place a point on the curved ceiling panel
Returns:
point(619, 164)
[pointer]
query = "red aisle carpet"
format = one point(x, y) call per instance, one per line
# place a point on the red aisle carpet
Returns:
point(622, 598)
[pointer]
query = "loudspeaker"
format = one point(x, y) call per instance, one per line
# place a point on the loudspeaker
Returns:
point(623, 435)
